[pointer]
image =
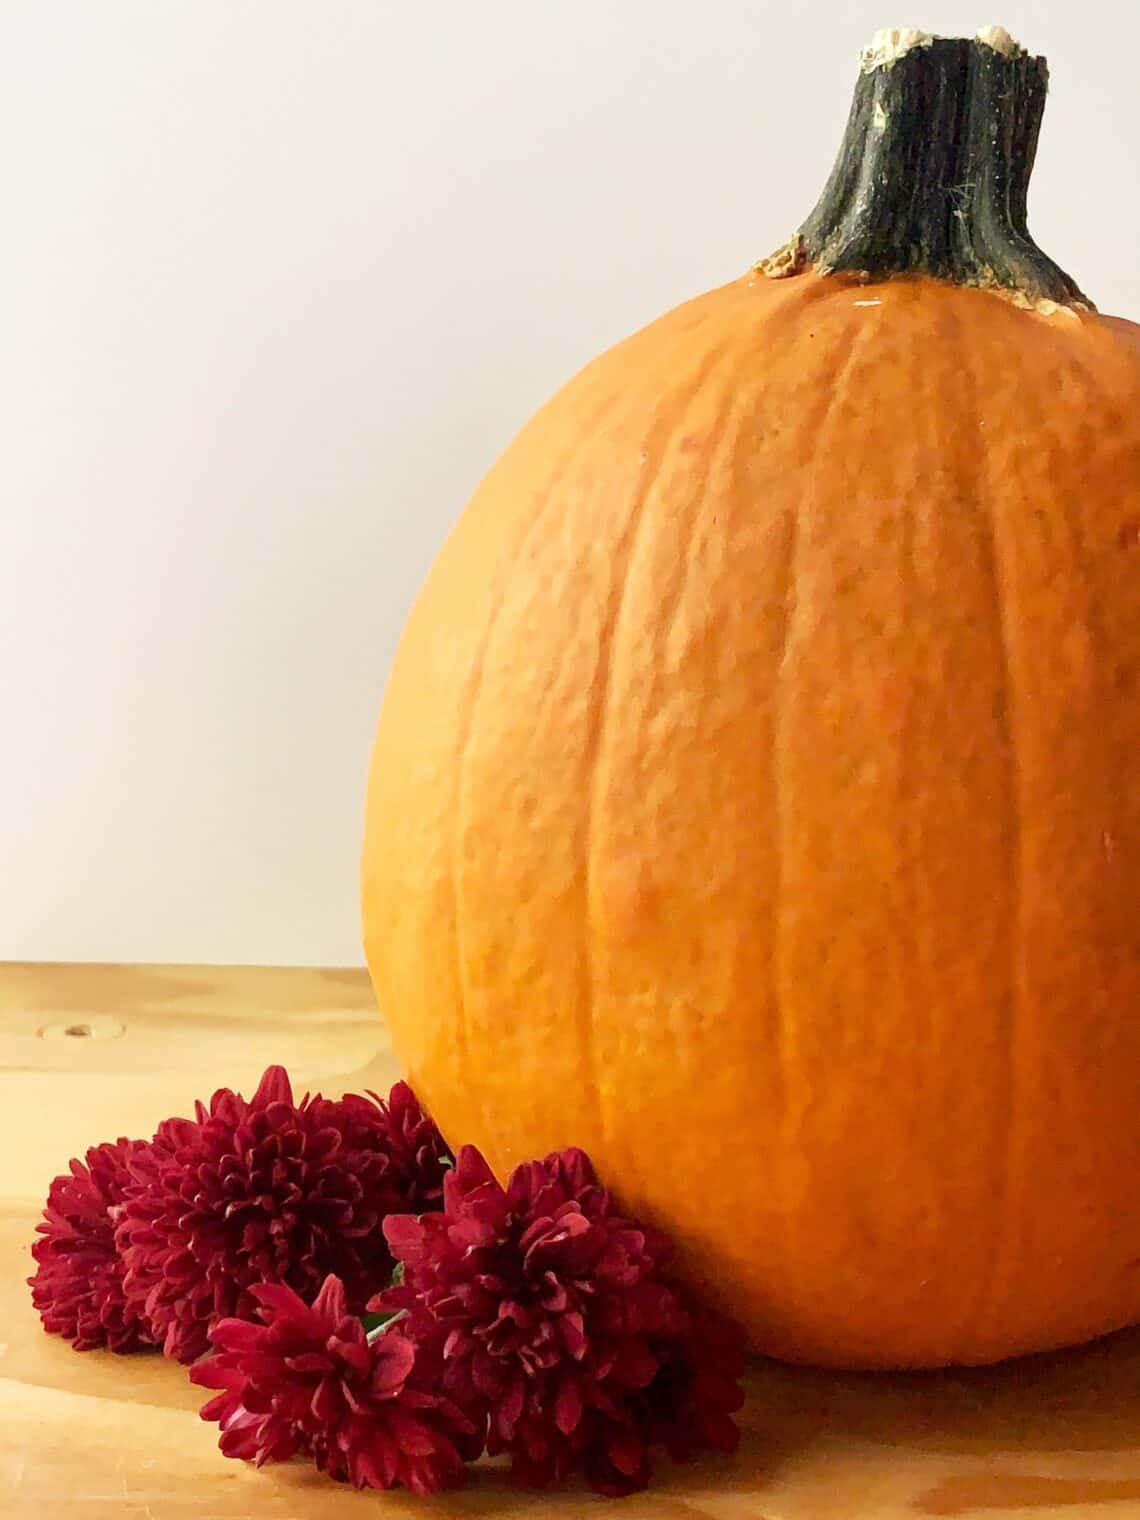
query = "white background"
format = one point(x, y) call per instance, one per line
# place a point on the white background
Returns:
point(278, 278)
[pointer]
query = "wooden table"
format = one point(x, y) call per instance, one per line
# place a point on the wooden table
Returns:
point(88, 1053)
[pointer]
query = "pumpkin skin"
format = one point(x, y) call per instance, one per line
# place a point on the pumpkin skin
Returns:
point(756, 804)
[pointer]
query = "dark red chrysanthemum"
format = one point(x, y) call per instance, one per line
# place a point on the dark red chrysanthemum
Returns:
point(307, 1381)
point(78, 1283)
point(554, 1322)
point(397, 1127)
point(689, 1405)
point(269, 1190)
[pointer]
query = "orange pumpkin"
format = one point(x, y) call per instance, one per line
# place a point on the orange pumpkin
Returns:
point(756, 797)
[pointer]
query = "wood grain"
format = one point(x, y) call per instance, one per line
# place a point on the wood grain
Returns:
point(87, 1053)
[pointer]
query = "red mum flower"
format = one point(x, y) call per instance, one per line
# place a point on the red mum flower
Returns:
point(268, 1190)
point(686, 1409)
point(308, 1381)
point(554, 1322)
point(418, 1156)
point(78, 1283)
point(690, 1403)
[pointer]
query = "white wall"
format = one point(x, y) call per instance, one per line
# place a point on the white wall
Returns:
point(279, 278)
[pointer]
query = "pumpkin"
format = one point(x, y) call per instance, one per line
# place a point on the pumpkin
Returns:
point(756, 794)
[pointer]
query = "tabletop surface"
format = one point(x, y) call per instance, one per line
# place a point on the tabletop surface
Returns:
point(90, 1053)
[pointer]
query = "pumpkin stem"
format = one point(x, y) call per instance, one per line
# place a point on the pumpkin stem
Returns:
point(933, 174)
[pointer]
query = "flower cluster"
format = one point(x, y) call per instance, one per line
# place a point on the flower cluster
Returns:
point(78, 1284)
point(260, 1238)
point(268, 1190)
point(158, 1241)
point(555, 1323)
point(307, 1380)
